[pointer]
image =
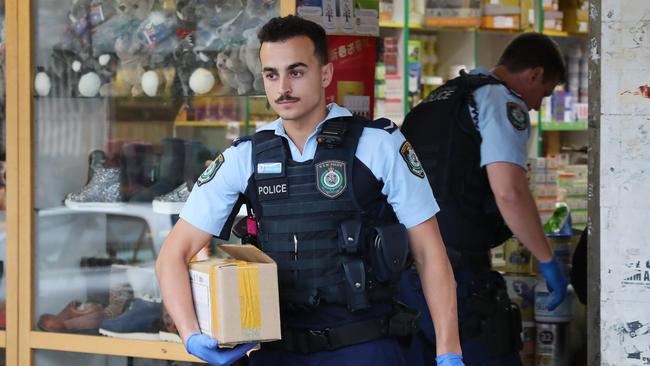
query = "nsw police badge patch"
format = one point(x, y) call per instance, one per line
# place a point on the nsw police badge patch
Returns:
point(331, 178)
point(517, 116)
point(411, 159)
point(211, 171)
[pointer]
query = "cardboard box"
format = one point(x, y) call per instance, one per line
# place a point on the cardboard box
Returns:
point(501, 22)
point(553, 20)
point(462, 13)
point(236, 299)
point(500, 2)
point(576, 20)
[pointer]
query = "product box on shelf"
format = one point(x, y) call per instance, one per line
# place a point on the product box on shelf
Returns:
point(343, 16)
point(576, 20)
point(508, 14)
point(517, 257)
point(550, 5)
point(386, 11)
point(462, 13)
point(509, 21)
point(236, 298)
point(553, 20)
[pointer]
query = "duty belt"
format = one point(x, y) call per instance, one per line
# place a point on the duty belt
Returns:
point(475, 261)
point(402, 324)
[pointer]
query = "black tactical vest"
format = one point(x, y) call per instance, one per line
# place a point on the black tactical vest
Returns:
point(447, 142)
point(319, 220)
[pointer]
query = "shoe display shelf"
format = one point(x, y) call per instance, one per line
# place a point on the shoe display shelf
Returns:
point(158, 224)
point(50, 139)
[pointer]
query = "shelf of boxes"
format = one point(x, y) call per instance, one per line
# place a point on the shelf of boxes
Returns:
point(564, 126)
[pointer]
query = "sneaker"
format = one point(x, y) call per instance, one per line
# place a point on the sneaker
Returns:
point(171, 203)
point(168, 331)
point(76, 317)
point(103, 191)
point(140, 321)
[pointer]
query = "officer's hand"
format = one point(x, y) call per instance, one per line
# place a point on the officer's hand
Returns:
point(450, 359)
point(205, 348)
point(555, 281)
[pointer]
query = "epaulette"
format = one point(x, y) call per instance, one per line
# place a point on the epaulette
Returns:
point(383, 124)
point(239, 140)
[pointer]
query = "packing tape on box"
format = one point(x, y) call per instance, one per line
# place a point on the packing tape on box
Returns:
point(250, 313)
point(249, 295)
point(213, 300)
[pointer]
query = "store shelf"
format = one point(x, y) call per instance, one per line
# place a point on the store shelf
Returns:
point(110, 346)
point(551, 33)
point(207, 123)
point(564, 126)
point(390, 25)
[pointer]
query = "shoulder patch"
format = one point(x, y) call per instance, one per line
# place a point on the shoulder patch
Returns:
point(211, 171)
point(411, 159)
point(517, 116)
point(383, 124)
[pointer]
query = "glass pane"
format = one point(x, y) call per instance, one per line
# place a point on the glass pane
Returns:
point(131, 99)
point(55, 358)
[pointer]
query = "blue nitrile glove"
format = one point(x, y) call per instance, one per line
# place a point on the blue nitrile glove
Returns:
point(555, 281)
point(450, 359)
point(205, 348)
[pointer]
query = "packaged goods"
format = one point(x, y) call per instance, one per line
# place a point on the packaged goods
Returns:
point(552, 346)
point(461, 13)
point(518, 258)
point(528, 337)
point(236, 299)
point(561, 314)
point(521, 290)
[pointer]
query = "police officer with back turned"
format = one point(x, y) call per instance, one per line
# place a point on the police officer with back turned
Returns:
point(339, 202)
point(471, 136)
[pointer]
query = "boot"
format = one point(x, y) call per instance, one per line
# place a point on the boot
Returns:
point(96, 159)
point(196, 154)
point(103, 190)
point(172, 203)
point(114, 152)
point(171, 166)
point(137, 168)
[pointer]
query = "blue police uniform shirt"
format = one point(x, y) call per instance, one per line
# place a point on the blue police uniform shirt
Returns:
point(210, 204)
point(502, 141)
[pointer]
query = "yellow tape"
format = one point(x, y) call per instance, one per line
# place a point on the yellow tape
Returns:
point(249, 295)
point(213, 300)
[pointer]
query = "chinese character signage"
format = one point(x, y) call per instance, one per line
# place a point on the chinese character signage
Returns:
point(353, 86)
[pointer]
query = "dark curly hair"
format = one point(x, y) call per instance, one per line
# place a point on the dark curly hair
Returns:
point(283, 28)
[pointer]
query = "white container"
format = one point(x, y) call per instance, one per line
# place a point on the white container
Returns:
point(561, 314)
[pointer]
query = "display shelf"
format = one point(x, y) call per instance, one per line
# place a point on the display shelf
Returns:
point(564, 126)
point(109, 346)
point(208, 123)
point(390, 25)
point(552, 33)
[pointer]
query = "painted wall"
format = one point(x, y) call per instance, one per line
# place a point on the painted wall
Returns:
point(624, 59)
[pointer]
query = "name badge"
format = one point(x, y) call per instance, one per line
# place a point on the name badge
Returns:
point(273, 189)
point(269, 168)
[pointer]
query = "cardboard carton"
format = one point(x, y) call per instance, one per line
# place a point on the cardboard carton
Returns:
point(236, 299)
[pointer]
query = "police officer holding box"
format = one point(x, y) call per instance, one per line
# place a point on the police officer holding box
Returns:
point(339, 203)
point(471, 136)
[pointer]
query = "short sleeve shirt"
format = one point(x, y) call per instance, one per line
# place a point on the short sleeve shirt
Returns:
point(503, 122)
point(211, 203)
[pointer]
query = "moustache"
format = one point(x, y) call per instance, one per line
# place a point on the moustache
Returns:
point(286, 98)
